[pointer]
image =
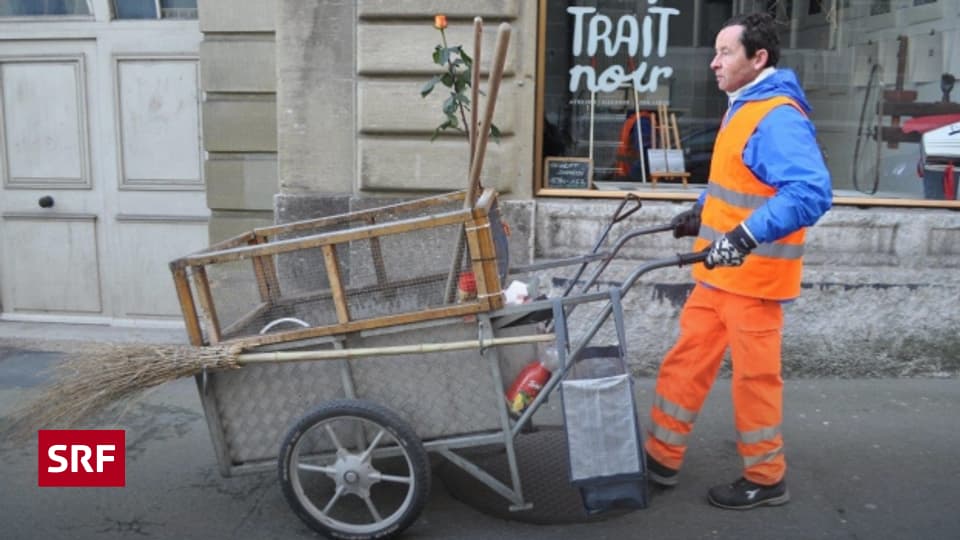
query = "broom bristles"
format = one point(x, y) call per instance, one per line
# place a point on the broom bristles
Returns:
point(98, 375)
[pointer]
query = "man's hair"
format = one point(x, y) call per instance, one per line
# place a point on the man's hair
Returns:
point(759, 32)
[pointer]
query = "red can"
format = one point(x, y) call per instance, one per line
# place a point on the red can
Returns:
point(526, 386)
point(466, 287)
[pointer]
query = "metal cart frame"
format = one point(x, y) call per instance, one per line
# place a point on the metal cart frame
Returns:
point(344, 391)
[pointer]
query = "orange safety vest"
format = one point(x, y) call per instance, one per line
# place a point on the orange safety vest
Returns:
point(773, 270)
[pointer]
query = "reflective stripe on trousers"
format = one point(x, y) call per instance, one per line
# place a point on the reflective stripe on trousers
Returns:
point(713, 320)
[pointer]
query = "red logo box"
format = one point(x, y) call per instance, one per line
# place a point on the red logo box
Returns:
point(81, 458)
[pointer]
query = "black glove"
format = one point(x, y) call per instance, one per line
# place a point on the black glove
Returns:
point(731, 248)
point(687, 223)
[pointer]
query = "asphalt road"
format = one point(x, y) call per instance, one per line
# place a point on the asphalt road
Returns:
point(868, 459)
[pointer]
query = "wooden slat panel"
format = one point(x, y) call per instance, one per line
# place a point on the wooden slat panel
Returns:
point(363, 215)
point(336, 284)
point(206, 303)
point(263, 269)
point(337, 237)
point(355, 326)
point(377, 253)
point(194, 334)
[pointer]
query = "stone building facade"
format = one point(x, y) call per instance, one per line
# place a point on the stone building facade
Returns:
point(313, 108)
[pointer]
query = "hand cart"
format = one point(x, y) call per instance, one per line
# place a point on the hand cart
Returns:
point(368, 291)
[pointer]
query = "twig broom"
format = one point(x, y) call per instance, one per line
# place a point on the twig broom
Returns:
point(96, 376)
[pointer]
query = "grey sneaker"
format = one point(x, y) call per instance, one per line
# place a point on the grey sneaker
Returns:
point(744, 494)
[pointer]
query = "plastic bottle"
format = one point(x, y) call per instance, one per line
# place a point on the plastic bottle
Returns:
point(526, 386)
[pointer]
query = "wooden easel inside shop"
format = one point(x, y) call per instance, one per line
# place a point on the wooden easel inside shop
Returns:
point(666, 159)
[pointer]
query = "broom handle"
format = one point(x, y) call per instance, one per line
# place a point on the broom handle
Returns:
point(493, 88)
point(338, 354)
point(475, 87)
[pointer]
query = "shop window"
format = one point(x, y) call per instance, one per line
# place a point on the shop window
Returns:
point(155, 9)
point(625, 86)
point(33, 8)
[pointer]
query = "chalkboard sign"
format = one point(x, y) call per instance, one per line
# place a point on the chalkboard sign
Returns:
point(568, 173)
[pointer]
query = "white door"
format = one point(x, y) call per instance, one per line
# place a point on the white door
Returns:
point(101, 165)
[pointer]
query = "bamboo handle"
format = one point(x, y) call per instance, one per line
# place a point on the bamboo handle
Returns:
point(493, 88)
point(337, 354)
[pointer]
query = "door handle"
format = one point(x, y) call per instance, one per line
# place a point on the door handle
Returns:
point(46, 201)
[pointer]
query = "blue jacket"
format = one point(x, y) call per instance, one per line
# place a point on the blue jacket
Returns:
point(784, 154)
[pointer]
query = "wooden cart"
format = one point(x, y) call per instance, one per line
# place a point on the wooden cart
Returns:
point(349, 438)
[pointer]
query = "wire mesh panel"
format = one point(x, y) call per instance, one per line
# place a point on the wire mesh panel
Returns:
point(365, 269)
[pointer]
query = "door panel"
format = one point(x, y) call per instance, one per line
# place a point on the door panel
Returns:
point(50, 264)
point(44, 122)
point(148, 245)
point(158, 122)
point(105, 120)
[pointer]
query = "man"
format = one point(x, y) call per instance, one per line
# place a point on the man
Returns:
point(767, 183)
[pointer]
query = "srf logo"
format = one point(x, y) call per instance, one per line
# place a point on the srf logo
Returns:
point(81, 458)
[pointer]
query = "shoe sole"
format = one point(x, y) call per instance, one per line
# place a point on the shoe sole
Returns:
point(665, 481)
point(775, 501)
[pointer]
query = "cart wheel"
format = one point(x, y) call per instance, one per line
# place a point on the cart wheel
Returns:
point(354, 469)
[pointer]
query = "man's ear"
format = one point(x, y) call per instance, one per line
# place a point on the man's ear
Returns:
point(759, 59)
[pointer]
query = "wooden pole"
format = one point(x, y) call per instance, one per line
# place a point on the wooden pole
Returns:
point(478, 142)
point(493, 89)
point(475, 88)
point(472, 131)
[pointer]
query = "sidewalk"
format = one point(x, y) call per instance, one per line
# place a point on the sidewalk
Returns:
point(88, 332)
point(868, 459)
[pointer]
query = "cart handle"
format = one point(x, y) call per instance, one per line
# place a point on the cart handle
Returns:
point(620, 214)
point(680, 259)
point(692, 258)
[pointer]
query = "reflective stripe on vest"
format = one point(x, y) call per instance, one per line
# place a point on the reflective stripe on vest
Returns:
point(773, 270)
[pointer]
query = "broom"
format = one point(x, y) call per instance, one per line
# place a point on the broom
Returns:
point(95, 376)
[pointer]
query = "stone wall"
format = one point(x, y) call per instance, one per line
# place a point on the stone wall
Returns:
point(238, 78)
point(350, 116)
point(880, 293)
point(880, 285)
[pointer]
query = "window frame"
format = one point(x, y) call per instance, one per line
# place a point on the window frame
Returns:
point(89, 16)
point(158, 7)
point(667, 193)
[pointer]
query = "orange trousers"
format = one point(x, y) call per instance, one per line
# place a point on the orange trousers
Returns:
point(712, 321)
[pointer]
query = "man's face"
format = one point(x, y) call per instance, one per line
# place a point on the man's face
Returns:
point(730, 64)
